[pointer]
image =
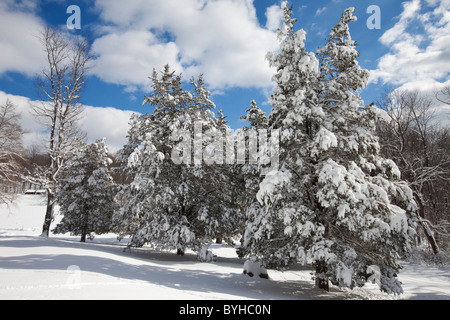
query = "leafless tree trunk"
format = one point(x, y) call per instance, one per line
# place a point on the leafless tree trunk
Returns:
point(10, 151)
point(61, 84)
point(419, 146)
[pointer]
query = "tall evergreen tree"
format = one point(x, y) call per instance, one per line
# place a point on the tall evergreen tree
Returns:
point(334, 202)
point(86, 192)
point(177, 198)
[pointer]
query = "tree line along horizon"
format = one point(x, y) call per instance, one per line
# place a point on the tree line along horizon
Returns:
point(357, 185)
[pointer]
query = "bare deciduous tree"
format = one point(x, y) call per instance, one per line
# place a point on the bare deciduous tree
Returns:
point(10, 151)
point(443, 95)
point(419, 146)
point(61, 84)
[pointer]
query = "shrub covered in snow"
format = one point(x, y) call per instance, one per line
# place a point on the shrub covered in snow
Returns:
point(253, 268)
point(205, 255)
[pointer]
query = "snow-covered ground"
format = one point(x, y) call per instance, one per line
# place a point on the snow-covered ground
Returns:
point(60, 267)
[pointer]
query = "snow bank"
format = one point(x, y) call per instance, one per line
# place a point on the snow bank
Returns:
point(252, 268)
point(205, 255)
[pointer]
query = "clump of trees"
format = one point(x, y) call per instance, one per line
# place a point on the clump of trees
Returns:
point(11, 152)
point(335, 202)
point(175, 200)
point(419, 145)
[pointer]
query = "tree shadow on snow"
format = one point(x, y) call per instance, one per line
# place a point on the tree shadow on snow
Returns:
point(159, 268)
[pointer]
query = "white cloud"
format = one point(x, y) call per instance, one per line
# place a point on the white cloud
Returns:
point(97, 122)
point(33, 130)
point(222, 39)
point(20, 47)
point(419, 56)
point(109, 123)
point(319, 11)
point(128, 58)
point(411, 10)
point(274, 16)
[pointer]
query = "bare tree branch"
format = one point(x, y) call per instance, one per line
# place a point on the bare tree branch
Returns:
point(11, 151)
point(443, 95)
point(420, 149)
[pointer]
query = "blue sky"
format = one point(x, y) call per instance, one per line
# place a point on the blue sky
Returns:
point(226, 40)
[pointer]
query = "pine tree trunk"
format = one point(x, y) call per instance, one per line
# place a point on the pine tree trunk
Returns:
point(48, 214)
point(321, 278)
point(84, 226)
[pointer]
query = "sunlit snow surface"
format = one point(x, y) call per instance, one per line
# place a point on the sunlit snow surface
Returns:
point(60, 267)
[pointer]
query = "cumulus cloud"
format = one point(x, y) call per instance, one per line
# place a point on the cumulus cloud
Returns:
point(98, 122)
point(419, 56)
point(222, 39)
point(109, 123)
point(34, 132)
point(274, 16)
point(20, 47)
point(128, 57)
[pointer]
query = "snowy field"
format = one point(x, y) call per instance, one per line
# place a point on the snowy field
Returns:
point(60, 267)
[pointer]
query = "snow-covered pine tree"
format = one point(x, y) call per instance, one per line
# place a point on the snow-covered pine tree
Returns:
point(292, 101)
point(86, 192)
point(176, 200)
point(253, 135)
point(334, 202)
point(256, 117)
